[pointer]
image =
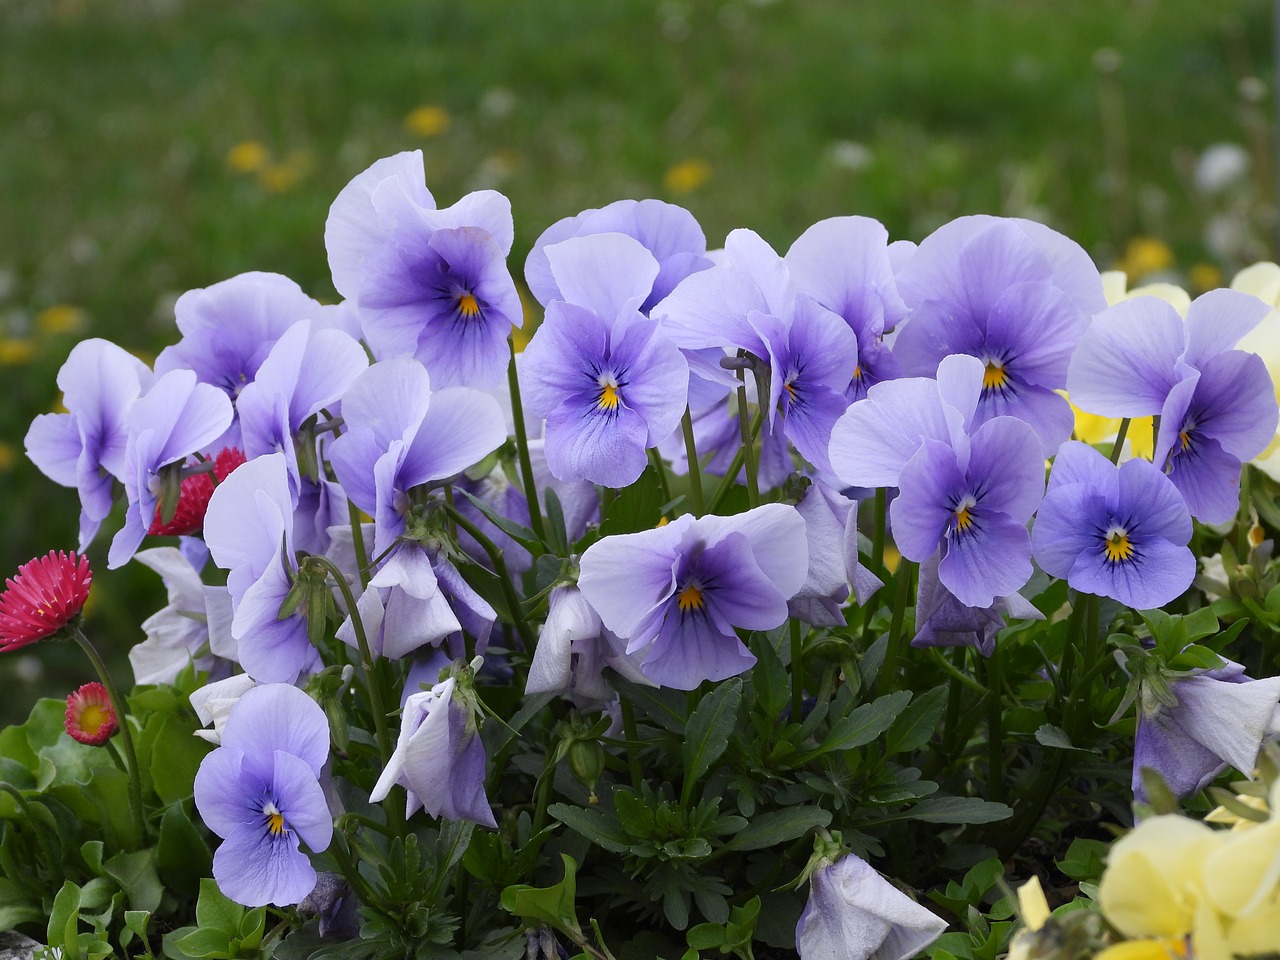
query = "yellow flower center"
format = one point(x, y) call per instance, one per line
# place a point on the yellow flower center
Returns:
point(467, 305)
point(690, 598)
point(994, 376)
point(609, 398)
point(964, 514)
point(1184, 437)
point(275, 819)
point(1118, 547)
point(857, 372)
point(93, 718)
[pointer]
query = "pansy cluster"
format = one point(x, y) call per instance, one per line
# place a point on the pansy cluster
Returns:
point(712, 479)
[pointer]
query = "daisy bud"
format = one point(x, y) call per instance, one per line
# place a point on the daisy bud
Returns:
point(90, 717)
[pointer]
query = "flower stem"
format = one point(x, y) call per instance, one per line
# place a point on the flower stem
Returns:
point(695, 469)
point(660, 466)
point(126, 735)
point(748, 443)
point(887, 681)
point(357, 542)
point(522, 448)
point(629, 731)
point(877, 531)
point(504, 577)
point(1118, 445)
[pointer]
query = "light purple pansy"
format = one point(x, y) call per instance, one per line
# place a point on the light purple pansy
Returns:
point(604, 376)
point(260, 791)
point(853, 913)
point(428, 283)
point(1118, 532)
point(943, 621)
point(439, 758)
point(679, 591)
point(573, 649)
point(400, 434)
point(831, 527)
point(249, 529)
point(1216, 404)
point(843, 263)
point(85, 447)
point(1015, 295)
point(1220, 719)
point(968, 495)
point(668, 232)
point(176, 418)
point(195, 625)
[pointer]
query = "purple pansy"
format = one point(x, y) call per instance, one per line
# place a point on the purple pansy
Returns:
point(176, 418)
point(401, 434)
point(573, 649)
point(1012, 293)
point(428, 283)
point(1216, 405)
point(853, 913)
point(607, 380)
point(679, 591)
point(843, 263)
point(668, 232)
point(831, 527)
point(439, 758)
point(1118, 532)
point(85, 447)
point(968, 495)
point(260, 791)
point(943, 621)
point(249, 529)
point(1219, 719)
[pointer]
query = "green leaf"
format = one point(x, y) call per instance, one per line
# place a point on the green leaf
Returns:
point(206, 942)
point(915, 725)
point(19, 903)
point(215, 910)
point(182, 856)
point(778, 826)
point(769, 678)
point(1048, 735)
point(548, 905)
point(863, 724)
point(520, 534)
point(637, 507)
point(664, 707)
point(1199, 624)
point(593, 823)
point(707, 734)
point(64, 921)
point(1195, 657)
point(91, 851)
point(252, 926)
point(1084, 859)
point(136, 874)
point(958, 810)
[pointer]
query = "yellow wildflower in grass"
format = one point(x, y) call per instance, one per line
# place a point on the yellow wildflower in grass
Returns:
point(1205, 276)
point(16, 351)
point(60, 318)
point(7, 457)
point(429, 120)
point(248, 156)
point(1145, 255)
point(285, 175)
point(686, 176)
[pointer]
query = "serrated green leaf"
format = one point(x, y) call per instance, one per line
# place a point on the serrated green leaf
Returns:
point(778, 826)
point(915, 725)
point(707, 734)
point(552, 905)
point(863, 724)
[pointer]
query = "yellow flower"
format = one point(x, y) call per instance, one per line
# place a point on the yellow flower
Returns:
point(1262, 280)
point(284, 176)
point(16, 351)
point(686, 176)
point(1205, 276)
point(1159, 949)
point(427, 121)
point(1032, 904)
point(1152, 883)
point(60, 318)
point(1144, 255)
point(7, 456)
point(248, 156)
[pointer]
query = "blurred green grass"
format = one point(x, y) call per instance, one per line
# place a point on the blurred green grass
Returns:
point(119, 117)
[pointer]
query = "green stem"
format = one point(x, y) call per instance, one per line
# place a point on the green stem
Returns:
point(881, 508)
point(126, 735)
point(1242, 523)
point(797, 671)
point(888, 679)
point(660, 466)
point(957, 675)
point(357, 541)
point(1119, 441)
point(504, 577)
point(695, 469)
point(727, 481)
point(1080, 700)
point(543, 798)
point(522, 449)
point(748, 442)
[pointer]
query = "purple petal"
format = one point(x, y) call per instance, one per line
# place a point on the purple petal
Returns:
point(1217, 320)
point(1161, 574)
point(221, 799)
point(254, 868)
point(1127, 360)
point(587, 442)
point(690, 649)
point(624, 577)
point(657, 377)
point(776, 533)
point(874, 439)
point(565, 354)
point(608, 273)
point(1145, 492)
point(1005, 461)
point(300, 798)
point(1235, 403)
point(1067, 525)
point(992, 559)
point(921, 513)
point(277, 716)
point(461, 427)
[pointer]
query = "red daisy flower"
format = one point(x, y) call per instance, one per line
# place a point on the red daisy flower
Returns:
point(188, 519)
point(90, 717)
point(44, 597)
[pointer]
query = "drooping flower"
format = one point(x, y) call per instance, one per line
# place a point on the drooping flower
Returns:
point(1216, 404)
point(844, 264)
point(574, 648)
point(439, 758)
point(428, 283)
point(668, 232)
point(609, 383)
point(85, 448)
point(260, 792)
point(965, 489)
point(1118, 532)
point(47, 594)
point(213, 702)
point(194, 496)
point(195, 625)
point(90, 717)
point(1015, 295)
point(177, 417)
point(678, 591)
point(853, 913)
point(831, 527)
point(943, 621)
point(402, 434)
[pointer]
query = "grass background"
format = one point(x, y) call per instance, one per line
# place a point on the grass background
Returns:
point(152, 146)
